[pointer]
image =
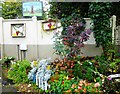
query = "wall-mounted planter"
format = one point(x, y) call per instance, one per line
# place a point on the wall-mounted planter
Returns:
point(18, 30)
point(50, 25)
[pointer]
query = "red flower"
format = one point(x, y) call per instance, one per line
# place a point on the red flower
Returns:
point(49, 25)
point(52, 80)
point(17, 32)
point(65, 43)
point(65, 38)
point(62, 82)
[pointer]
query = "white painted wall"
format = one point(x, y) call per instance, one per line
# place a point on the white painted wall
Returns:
point(36, 36)
point(34, 32)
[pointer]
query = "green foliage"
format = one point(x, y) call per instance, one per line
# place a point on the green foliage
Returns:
point(111, 86)
point(60, 83)
point(115, 65)
point(100, 14)
point(11, 10)
point(116, 11)
point(18, 71)
point(64, 9)
point(84, 71)
point(6, 61)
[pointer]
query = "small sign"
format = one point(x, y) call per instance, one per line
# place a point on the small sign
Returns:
point(32, 9)
point(23, 47)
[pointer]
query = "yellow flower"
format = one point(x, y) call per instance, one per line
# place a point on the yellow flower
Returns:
point(14, 34)
point(65, 77)
point(83, 57)
point(35, 63)
point(52, 27)
point(48, 67)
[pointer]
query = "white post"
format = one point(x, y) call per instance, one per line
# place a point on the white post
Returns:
point(113, 27)
point(35, 25)
point(39, 82)
point(2, 37)
point(42, 81)
point(45, 85)
point(37, 79)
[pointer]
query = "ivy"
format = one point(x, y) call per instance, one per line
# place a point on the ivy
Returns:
point(99, 12)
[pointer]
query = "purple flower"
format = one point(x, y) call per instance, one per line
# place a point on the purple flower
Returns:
point(80, 24)
point(88, 31)
point(109, 78)
point(83, 34)
point(70, 28)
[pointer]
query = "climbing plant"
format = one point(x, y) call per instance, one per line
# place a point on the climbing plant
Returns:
point(99, 12)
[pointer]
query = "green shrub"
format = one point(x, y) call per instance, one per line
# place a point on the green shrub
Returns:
point(7, 61)
point(18, 71)
point(84, 70)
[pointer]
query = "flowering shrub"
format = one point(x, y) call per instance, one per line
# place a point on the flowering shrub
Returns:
point(73, 36)
point(61, 83)
point(64, 65)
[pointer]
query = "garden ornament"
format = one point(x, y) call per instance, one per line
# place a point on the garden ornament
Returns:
point(31, 73)
point(114, 76)
point(43, 74)
point(33, 64)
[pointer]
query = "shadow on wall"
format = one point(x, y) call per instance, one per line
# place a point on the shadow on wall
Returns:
point(35, 52)
point(0, 51)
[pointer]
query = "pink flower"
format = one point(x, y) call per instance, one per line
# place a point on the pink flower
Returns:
point(80, 87)
point(73, 85)
point(97, 84)
point(80, 84)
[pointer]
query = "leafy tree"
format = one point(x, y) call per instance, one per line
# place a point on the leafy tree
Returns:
point(11, 10)
point(65, 9)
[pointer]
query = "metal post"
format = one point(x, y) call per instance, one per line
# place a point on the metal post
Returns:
point(21, 55)
point(18, 52)
point(24, 54)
